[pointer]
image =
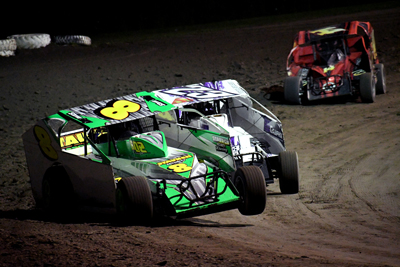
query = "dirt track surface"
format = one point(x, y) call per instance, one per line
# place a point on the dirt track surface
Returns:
point(346, 214)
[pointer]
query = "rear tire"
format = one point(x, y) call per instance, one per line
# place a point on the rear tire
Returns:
point(367, 88)
point(291, 89)
point(290, 177)
point(250, 182)
point(381, 79)
point(134, 201)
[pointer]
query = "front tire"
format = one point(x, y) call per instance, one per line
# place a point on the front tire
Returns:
point(291, 89)
point(367, 88)
point(289, 177)
point(381, 79)
point(250, 182)
point(134, 201)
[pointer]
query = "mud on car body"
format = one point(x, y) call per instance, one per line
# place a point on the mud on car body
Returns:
point(113, 156)
point(334, 61)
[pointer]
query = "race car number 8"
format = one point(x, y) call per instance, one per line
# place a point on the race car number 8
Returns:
point(120, 109)
point(180, 167)
point(45, 143)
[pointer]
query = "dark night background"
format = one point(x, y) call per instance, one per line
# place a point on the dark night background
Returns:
point(110, 16)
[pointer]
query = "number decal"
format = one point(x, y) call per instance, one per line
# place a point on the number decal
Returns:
point(120, 109)
point(45, 143)
point(138, 147)
point(180, 167)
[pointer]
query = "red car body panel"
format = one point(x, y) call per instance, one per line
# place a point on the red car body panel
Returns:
point(313, 58)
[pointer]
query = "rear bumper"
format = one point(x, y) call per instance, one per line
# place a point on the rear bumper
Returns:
point(322, 93)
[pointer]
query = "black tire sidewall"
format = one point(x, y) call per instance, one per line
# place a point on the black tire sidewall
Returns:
point(367, 88)
point(136, 196)
point(289, 172)
point(381, 79)
point(250, 182)
point(291, 91)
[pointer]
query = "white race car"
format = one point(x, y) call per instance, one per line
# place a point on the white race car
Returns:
point(256, 136)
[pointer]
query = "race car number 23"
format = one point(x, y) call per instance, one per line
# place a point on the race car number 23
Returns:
point(120, 109)
point(45, 143)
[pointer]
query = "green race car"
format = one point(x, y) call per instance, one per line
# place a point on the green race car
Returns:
point(111, 156)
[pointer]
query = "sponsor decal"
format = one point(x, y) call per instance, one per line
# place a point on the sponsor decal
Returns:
point(74, 115)
point(327, 30)
point(275, 132)
point(205, 126)
point(78, 118)
point(198, 92)
point(273, 128)
point(220, 140)
point(176, 164)
point(175, 160)
point(72, 140)
point(154, 104)
point(215, 85)
point(221, 143)
point(221, 147)
point(180, 100)
point(158, 103)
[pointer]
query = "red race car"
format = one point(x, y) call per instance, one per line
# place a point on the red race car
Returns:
point(334, 61)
